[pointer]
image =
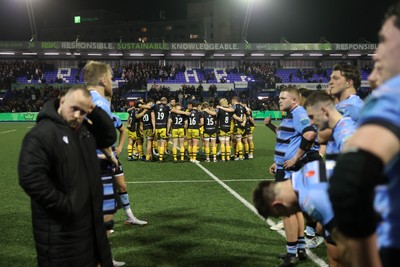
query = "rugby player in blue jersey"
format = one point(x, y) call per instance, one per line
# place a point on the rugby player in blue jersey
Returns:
point(294, 140)
point(323, 114)
point(366, 179)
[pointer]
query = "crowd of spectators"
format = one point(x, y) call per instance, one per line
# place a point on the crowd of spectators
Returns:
point(10, 70)
point(136, 75)
point(307, 75)
point(29, 99)
point(261, 72)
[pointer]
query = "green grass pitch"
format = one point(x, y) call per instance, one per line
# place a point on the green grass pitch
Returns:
point(193, 219)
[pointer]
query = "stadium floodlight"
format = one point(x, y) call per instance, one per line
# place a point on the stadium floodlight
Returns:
point(257, 55)
point(29, 54)
point(51, 54)
point(157, 55)
point(7, 53)
point(115, 54)
point(219, 55)
point(296, 55)
point(246, 21)
point(371, 55)
point(32, 22)
point(177, 54)
point(277, 55)
point(197, 54)
point(237, 55)
point(335, 55)
point(136, 55)
point(94, 54)
point(353, 55)
point(315, 55)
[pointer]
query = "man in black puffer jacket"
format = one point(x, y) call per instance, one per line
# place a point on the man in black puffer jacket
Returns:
point(58, 168)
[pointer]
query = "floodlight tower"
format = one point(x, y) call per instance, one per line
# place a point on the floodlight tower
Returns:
point(32, 22)
point(247, 17)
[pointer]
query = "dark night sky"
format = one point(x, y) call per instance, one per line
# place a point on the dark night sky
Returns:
point(297, 20)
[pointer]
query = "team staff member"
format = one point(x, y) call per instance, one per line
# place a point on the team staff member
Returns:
point(59, 170)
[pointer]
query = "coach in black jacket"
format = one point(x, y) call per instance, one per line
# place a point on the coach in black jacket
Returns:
point(58, 168)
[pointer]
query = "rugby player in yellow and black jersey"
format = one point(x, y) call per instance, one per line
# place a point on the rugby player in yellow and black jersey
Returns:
point(148, 122)
point(224, 118)
point(177, 124)
point(195, 120)
point(135, 136)
point(250, 131)
point(161, 112)
point(210, 131)
point(239, 118)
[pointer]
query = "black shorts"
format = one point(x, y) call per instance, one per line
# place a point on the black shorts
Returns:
point(282, 175)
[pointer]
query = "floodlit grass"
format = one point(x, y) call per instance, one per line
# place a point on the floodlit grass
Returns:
point(193, 220)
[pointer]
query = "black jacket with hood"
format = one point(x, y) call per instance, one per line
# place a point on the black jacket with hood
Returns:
point(59, 169)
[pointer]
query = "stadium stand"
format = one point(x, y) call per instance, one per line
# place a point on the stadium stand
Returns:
point(39, 80)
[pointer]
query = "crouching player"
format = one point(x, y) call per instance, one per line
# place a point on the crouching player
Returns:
point(307, 191)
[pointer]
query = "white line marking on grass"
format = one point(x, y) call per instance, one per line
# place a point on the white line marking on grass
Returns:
point(194, 181)
point(8, 131)
point(320, 262)
point(29, 127)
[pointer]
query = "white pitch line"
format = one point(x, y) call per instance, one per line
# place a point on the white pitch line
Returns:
point(194, 181)
point(8, 131)
point(320, 262)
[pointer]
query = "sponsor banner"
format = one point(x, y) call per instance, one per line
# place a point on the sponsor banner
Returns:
point(314, 86)
point(12, 45)
point(31, 116)
point(309, 86)
point(365, 83)
point(262, 114)
point(203, 46)
point(241, 85)
point(176, 87)
point(355, 47)
point(15, 45)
